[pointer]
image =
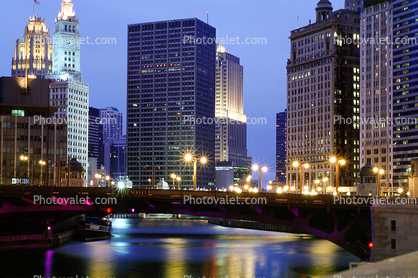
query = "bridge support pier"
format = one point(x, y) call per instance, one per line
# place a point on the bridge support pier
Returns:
point(394, 231)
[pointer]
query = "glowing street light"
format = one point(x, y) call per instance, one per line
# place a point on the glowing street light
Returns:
point(189, 158)
point(379, 173)
point(121, 185)
point(400, 190)
point(108, 181)
point(98, 176)
point(173, 176)
point(337, 162)
point(178, 179)
point(261, 169)
point(301, 166)
point(42, 163)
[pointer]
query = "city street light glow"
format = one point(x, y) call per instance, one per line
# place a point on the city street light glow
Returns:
point(121, 185)
point(188, 157)
point(295, 164)
point(255, 167)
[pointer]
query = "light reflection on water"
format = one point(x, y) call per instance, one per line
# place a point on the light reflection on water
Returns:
point(175, 248)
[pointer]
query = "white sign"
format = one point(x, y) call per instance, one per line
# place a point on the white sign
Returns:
point(20, 181)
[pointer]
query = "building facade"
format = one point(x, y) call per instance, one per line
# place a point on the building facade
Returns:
point(323, 87)
point(376, 94)
point(281, 135)
point(31, 147)
point(405, 89)
point(171, 91)
point(354, 5)
point(33, 55)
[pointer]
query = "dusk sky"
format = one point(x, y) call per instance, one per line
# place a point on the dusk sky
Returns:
point(103, 66)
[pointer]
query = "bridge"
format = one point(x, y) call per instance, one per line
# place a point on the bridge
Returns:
point(347, 225)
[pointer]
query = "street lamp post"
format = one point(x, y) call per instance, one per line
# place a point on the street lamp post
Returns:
point(261, 169)
point(379, 173)
point(42, 163)
point(249, 181)
point(337, 163)
point(97, 176)
point(189, 158)
point(178, 179)
point(324, 184)
point(108, 181)
point(296, 164)
point(173, 176)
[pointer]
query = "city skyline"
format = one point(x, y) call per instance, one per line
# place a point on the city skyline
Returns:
point(230, 19)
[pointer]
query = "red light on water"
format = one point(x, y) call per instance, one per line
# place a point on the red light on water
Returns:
point(108, 210)
point(371, 244)
point(49, 228)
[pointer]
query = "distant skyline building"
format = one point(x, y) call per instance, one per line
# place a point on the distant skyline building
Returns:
point(67, 91)
point(112, 122)
point(323, 83)
point(117, 156)
point(34, 54)
point(95, 145)
point(376, 89)
point(171, 90)
point(281, 131)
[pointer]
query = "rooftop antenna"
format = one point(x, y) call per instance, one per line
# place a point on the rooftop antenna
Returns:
point(207, 18)
point(297, 22)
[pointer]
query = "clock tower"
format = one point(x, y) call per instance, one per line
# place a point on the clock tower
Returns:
point(66, 40)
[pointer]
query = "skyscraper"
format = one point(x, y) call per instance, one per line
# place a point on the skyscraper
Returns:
point(405, 89)
point(67, 90)
point(231, 129)
point(112, 122)
point(34, 54)
point(281, 131)
point(95, 145)
point(376, 89)
point(171, 94)
point(323, 90)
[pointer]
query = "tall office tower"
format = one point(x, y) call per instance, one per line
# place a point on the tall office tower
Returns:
point(231, 130)
point(231, 158)
point(376, 89)
point(112, 121)
point(323, 90)
point(95, 145)
point(171, 96)
point(67, 91)
point(34, 53)
point(354, 5)
point(405, 89)
point(281, 130)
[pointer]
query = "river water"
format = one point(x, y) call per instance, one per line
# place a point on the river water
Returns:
point(162, 248)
